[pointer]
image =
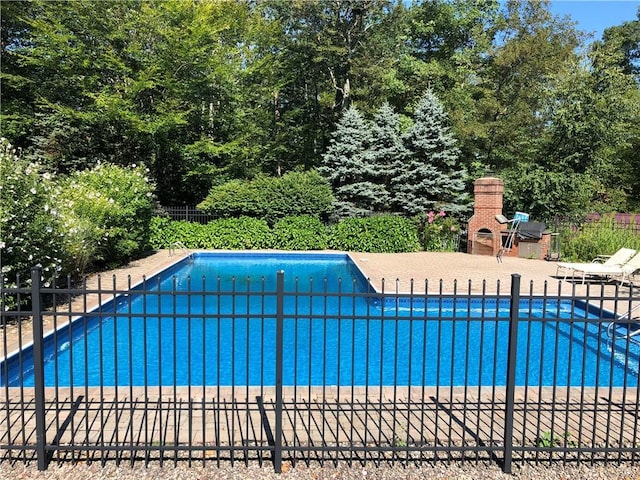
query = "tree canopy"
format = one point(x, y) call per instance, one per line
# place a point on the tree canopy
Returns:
point(204, 92)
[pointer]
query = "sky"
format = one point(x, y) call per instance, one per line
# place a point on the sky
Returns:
point(596, 15)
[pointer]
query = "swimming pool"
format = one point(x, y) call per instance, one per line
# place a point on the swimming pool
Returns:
point(211, 320)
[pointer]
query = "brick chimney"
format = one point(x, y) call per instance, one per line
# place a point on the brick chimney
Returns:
point(483, 230)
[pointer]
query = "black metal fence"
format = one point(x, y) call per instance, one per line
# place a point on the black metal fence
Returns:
point(185, 212)
point(210, 372)
point(618, 222)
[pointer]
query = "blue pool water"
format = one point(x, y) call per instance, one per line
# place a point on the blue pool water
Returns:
point(219, 329)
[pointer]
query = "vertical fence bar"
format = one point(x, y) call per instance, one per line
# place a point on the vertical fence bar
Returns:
point(38, 366)
point(277, 452)
point(511, 372)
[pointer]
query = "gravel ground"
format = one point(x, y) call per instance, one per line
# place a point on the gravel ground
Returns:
point(18, 471)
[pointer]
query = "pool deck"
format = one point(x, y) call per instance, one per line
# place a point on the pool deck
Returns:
point(240, 417)
point(447, 271)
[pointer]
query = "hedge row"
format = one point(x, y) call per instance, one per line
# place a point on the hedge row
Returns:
point(271, 198)
point(384, 234)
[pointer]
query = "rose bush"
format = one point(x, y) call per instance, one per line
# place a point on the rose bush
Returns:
point(438, 232)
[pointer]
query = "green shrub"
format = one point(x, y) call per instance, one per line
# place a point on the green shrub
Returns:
point(165, 233)
point(602, 237)
point(30, 229)
point(301, 232)
point(233, 199)
point(161, 233)
point(242, 233)
point(239, 234)
point(107, 212)
point(99, 216)
point(383, 234)
point(437, 232)
point(271, 198)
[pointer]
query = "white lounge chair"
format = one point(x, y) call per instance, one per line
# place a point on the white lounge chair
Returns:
point(629, 268)
point(620, 272)
point(615, 261)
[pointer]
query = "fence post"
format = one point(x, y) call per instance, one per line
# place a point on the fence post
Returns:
point(277, 453)
point(38, 366)
point(511, 372)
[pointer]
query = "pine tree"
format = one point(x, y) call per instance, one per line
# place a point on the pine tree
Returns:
point(430, 177)
point(386, 152)
point(346, 166)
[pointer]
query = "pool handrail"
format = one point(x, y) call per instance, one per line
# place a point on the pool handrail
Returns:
point(629, 322)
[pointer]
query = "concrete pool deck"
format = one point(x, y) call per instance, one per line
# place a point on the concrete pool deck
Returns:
point(449, 271)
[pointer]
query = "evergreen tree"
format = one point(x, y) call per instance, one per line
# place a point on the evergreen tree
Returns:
point(346, 166)
point(386, 152)
point(430, 178)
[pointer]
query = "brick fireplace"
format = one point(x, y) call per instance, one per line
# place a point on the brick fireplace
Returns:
point(486, 235)
point(484, 231)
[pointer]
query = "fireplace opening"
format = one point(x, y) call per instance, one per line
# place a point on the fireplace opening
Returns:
point(482, 243)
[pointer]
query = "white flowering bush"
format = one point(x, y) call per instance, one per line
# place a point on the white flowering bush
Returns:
point(106, 214)
point(95, 217)
point(30, 231)
point(81, 215)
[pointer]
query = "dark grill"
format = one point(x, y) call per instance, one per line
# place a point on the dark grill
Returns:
point(531, 230)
